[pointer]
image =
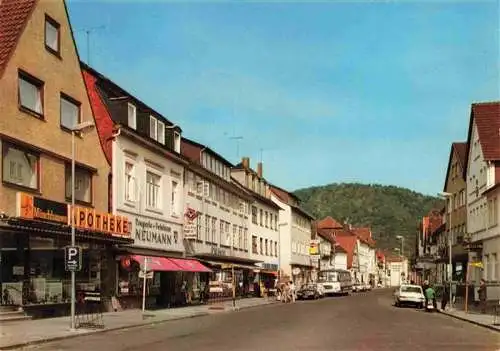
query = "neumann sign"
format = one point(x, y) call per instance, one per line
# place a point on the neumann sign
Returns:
point(155, 234)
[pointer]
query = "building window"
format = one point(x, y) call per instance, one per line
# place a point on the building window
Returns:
point(20, 167)
point(174, 201)
point(221, 232)
point(261, 212)
point(254, 215)
point(494, 263)
point(227, 230)
point(30, 93)
point(52, 36)
point(130, 182)
point(153, 131)
point(245, 239)
point(198, 226)
point(267, 219)
point(254, 245)
point(214, 232)
point(240, 237)
point(83, 184)
point(276, 249)
point(235, 229)
point(266, 245)
point(177, 142)
point(261, 246)
point(70, 112)
point(132, 116)
point(152, 190)
point(161, 132)
point(207, 228)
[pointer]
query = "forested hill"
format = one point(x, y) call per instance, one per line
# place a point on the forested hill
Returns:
point(388, 210)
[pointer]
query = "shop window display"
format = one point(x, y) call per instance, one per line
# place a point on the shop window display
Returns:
point(32, 270)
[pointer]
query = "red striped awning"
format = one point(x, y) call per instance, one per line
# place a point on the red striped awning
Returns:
point(188, 265)
point(156, 263)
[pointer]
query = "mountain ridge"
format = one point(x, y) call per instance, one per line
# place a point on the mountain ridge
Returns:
point(389, 210)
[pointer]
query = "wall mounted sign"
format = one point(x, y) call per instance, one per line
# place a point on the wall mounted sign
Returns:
point(156, 234)
point(189, 226)
point(37, 208)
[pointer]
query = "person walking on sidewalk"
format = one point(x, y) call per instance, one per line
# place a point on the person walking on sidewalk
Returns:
point(445, 297)
point(482, 296)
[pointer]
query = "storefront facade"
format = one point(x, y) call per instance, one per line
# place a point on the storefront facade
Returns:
point(32, 243)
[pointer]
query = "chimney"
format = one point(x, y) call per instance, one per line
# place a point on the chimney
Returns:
point(259, 169)
point(245, 162)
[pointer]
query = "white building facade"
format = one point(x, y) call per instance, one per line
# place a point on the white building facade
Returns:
point(483, 177)
point(295, 237)
point(263, 223)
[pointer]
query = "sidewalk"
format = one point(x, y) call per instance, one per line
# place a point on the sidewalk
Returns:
point(23, 333)
point(483, 320)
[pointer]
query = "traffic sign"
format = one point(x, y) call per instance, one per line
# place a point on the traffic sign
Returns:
point(73, 258)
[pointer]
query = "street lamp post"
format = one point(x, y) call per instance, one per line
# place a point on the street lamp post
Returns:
point(78, 128)
point(448, 197)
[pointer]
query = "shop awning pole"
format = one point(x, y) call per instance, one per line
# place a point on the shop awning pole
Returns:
point(234, 287)
point(145, 265)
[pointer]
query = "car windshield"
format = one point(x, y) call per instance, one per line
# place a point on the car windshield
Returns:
point(411, 289)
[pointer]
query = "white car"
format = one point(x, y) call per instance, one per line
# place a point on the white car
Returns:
point(409, 295)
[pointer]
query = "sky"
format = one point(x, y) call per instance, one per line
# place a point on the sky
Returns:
point(320, 92)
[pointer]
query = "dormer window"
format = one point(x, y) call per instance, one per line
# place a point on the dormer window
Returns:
point(132, 116)
point(177, 142)
point(161, 132)
point(153, 130)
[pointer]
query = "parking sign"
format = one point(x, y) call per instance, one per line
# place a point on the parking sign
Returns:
point(73, 258)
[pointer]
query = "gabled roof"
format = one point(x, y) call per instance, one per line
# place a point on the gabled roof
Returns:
point(329, 223)
point(365, 235)
point(283, 195)
point(192, 150)
point(348, 244)
point(14, 15)
point(459, 149)
point(486, 117)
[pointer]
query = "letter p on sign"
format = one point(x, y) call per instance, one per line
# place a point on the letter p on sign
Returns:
point(73, 258)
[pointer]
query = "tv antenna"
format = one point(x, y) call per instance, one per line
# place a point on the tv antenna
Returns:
point(238, 139)
point(88, 31)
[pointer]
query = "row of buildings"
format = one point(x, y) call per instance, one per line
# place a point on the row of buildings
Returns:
point(469, 221)
point(144, 194)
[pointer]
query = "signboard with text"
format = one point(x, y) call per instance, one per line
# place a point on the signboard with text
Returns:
point(73, 258)
point(156, 234)
point(40, 209)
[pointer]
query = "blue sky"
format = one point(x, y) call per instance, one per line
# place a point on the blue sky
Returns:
point(324, 92)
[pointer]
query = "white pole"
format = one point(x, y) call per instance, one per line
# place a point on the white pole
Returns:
point(450, 266)
point(73, 278)
point(144, 285)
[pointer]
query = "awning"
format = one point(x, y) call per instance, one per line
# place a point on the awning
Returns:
point(162, 264)
point(187, 265)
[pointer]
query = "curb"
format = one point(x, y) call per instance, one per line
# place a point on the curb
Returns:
point(97, 331)
point(491, 327)
point(132, 326)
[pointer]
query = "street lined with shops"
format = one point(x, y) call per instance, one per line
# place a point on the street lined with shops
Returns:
point(365, 321)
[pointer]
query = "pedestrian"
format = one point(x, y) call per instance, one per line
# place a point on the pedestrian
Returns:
point(292, 290)
point(482, 296)
point(445, 297)
point(425, 286)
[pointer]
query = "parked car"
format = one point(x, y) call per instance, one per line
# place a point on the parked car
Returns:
point(409, 295)
point(309, 291)
point(357, 286)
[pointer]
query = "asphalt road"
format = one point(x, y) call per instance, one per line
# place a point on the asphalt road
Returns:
point(367, 321)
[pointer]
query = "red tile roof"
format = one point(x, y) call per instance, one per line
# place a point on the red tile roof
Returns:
point(348, 243)
point(487, 119)
point(14, 15)
point(461, 152)
point(103, 121)
point(329, 223)
point(365, 235)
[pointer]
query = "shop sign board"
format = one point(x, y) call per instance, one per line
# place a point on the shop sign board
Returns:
point(156, 234)
point(40, 209)
point(189, 226)
point(314, 247)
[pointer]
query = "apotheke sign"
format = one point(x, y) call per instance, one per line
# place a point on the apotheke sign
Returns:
point(156, 234)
